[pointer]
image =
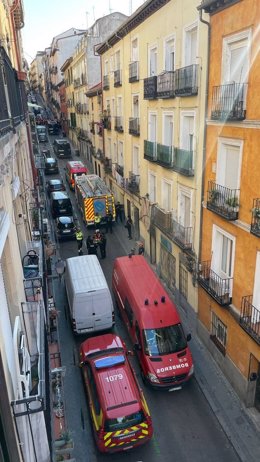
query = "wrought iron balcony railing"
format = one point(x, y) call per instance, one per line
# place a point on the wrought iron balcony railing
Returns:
point(119, 127)
point(186, 80)
point(134, 126)
point(217, 287)
point(150, 150)
point(165, 85)
point(255, 221)
point(134, 71)
point(183, 162)
point(13, 101)
point(108, 165)
point(106, 82)
point(119, 169)
point(133, 184)
point(229, 102)
point(117, 78)
point(165, 155)
point(223, 201)
point(150, 87)
point(107, 123)
point(171, 228)
point(250, 318)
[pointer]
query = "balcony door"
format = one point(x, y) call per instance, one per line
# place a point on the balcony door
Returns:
point(134, 50)
point(228, 165)
point(168, 130)
point(135, 110)
point(191, 45)
point(185, 209)
point(223, 253)
point(136, 164)
point(169, 55)
point(256, 293)
point(152, 61)
point(235, 60)
point(187, 132)
point(152, 127)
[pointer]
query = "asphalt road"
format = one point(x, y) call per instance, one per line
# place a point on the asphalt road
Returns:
point(185, 428)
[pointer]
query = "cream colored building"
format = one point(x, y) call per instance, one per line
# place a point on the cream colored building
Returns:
point(154, 80)
point(22, 397)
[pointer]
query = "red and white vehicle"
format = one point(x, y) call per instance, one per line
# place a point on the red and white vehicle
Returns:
point(119, 413)
point(153, 323)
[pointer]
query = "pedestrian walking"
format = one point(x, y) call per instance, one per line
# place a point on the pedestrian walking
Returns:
point(91, 246)
point(119, 213)
point(79, 239)
point(128, 226)
point(97, 220)
point(109, 222)
point(102, 246)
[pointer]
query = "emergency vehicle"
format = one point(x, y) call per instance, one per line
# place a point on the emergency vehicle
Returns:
point(153, 323)
point(73, 168)
point(93, 197)
point(119, 413)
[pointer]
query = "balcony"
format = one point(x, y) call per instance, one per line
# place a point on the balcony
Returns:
point(117, 78)
point(171, 228)
point(150, 151)
point(108, 165)
point(150, 87)
point(107, 123)
point(181, 235)
point(250, 318)
point(165, 85)
point(165, 155)
point(119, 169)
point(214, 285)
point(106, 82)
point(183, 162)
point(134, 72)
point(133, 184)
point(229, 102)
point(13, 100)
point(255, 220)
point(186, 81)
point(223, 201)
point(134, 126)
point(119, 124)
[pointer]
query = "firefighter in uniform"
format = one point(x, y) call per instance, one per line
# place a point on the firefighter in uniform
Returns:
point(79, 239)
point(97, 220)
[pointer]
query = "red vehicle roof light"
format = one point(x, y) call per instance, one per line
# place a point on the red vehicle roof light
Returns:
point(109, 361)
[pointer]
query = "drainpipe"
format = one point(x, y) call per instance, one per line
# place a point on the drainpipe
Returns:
point(205, 128)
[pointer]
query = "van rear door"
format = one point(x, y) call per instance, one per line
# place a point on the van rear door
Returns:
point(102, 307)
point(83, 313)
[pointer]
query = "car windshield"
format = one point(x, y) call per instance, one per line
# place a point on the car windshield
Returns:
point(120, 423)
point(164, 340)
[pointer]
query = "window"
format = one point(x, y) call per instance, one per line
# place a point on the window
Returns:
point(235, 58)
point(135, 110)
point(117, 60)
point(152, 61)
point(169, 55)
point(190, 45)
point(183, 281)
point(218, 332)
point(223, 252)
point(168, 130)
point(152, 128)
point(184, 207)
point(136, 170)
point(229, 163)
point(121, 153)
point(152, 187)
point(134, 50)
point(119, 107)
point(187, 131)
point(115, 154)
point(106, 68)
point(166, 195)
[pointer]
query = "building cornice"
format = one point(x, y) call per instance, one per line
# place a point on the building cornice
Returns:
point(141, 14)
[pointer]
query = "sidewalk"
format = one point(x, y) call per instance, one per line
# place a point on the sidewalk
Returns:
point(241, 425)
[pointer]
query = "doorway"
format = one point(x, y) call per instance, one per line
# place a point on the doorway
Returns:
point(136, 223)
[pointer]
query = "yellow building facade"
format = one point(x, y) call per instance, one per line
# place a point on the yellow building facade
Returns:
point(154, 80)
point(229, 269)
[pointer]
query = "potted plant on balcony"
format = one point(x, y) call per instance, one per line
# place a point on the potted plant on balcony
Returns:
point(232, 202)
point(256, 213)
point(214, 196)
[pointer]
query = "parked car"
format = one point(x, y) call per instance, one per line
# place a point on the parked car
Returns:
point(65, 228)
point(55, 185)
point(62, 148)
point(46, 153)
point(53, 127)
point(61, 205)
point(119, 413)
point(41, 133)
point(50, 166)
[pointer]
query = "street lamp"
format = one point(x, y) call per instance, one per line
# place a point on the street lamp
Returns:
point(60, 267)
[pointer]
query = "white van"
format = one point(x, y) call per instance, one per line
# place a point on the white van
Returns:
point(90, 302)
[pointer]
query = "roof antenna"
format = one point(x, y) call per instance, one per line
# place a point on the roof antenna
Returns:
point(163, 299)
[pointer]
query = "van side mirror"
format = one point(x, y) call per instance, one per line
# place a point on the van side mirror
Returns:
point(137, 347)
point(188, 337)
point(130, 353)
